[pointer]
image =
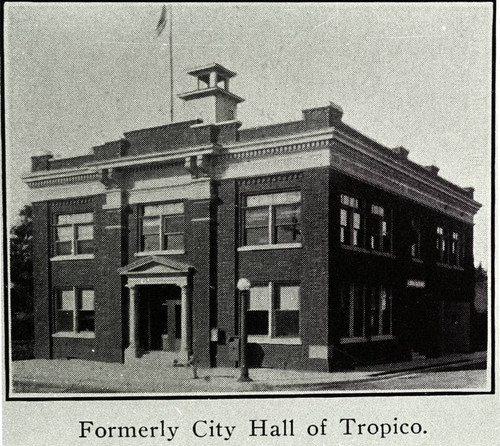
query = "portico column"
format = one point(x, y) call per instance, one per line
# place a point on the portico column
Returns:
point(186, 328)
point(132, 350)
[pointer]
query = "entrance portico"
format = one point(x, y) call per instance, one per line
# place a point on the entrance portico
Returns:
point(146, 273)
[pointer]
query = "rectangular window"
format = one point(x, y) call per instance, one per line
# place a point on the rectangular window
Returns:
point(74, 310)
point(273, 311)
point(258, 311)
point(380, 230)
point(74, 234)
point(442, 248)
point(351, 224)
point(366, 311)
point(162, 227)
point(286, 311)
point(272, 219)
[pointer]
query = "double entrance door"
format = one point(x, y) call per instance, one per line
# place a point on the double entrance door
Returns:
point(160, 317)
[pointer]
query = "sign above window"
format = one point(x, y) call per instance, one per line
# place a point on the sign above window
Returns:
point(413, 283)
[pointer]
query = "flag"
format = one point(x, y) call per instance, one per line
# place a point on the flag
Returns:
point(162, 22)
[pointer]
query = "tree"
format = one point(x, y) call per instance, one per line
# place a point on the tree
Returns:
point(21, 262)
point(481, 274)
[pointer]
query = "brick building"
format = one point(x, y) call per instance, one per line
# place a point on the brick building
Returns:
point(355, 253)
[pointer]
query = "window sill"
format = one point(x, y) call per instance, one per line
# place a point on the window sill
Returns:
point(352, 340)
point(367, 251)
point(361, 340)
point(383, 254)
point(71, 334)
point(267, 247)
point(72, 257)
point(267, 340)
point(445, 265)
point(160, 253)
point(355, 248)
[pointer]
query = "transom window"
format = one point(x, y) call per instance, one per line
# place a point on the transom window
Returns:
point(74, 234)
point(273, 311)
point(350, 221)
point(366, 311)
point(162, 227)
point(74, 310)
point(272, 219)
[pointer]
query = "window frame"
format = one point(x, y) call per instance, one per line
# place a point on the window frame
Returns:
point(162, 235)
point(346, 204)
point(453, 240)
point(76, 319)
point(273, 293)
point(74, 241)
point(367, 299)
point(272, 221)
point(377, 225)
point(416, 241)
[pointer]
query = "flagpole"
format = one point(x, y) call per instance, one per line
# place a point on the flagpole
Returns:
point(171, 68)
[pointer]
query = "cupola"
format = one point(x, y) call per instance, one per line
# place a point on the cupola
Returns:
point(211, 100)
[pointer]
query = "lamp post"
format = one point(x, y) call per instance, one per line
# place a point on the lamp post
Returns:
point(244, 288)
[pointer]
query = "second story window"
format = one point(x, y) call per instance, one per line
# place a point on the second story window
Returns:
point(380, 231)
point(74, 234)
point(456, 249)
point(272, 219)
point(441, 245)
point(350, 221)
point(162, 227)
point(415, 235)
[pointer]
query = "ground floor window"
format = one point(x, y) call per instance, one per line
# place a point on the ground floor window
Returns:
point(74, 310)
point(273, 310)
point(366, 311)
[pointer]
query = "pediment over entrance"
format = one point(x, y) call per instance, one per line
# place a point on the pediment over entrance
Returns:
point(155, 265)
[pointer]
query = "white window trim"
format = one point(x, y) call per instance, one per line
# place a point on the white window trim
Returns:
point(72, 334)
point(72, 257)
point(159, 253)
point(267, 247)
point(263, 339)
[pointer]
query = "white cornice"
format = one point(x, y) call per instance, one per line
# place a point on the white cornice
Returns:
point(56, 173)
point(264, 143)
point(156, 157)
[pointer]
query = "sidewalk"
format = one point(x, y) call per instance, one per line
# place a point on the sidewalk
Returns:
point(77, 376)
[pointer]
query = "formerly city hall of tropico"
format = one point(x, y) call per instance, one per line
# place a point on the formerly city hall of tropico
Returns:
point(355, 254)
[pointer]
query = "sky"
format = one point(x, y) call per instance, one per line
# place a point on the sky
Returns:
point(417, 75)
